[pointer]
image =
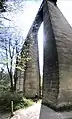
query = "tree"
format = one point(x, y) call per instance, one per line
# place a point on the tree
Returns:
point(4, 80)
point(1, 73)
point(10, 45)
point(9, 52)
point(11, 57)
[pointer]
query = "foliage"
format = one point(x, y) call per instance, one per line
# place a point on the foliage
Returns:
point(17, 98)
point(4, 82)
point(7, 97)
point(10, 54)
point(10, 46)
point(24, 103)
point(11, 41)
point(4, 78)
point(4, 88)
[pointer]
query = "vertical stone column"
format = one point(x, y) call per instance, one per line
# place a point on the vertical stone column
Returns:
point(31, 82)
point(63, 36)
point(20, 81)
point(57, 85)
point(50, 68)
point(32, 75)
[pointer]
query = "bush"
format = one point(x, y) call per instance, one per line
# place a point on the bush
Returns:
point(7, 97)
point(24, 103)
point(18, 100)
point(4, 88)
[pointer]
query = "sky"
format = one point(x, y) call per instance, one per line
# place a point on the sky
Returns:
point(24, 17)
point(66, 8)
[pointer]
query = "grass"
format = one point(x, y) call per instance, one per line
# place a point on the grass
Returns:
point(39, 101)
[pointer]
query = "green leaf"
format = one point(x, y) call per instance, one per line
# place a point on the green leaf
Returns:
point(20, 68)
point(4, 61)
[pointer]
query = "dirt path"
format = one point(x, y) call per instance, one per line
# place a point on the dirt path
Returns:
point(29, 113)
point(38, 111)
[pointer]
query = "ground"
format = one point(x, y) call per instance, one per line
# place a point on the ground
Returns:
point(38, 111)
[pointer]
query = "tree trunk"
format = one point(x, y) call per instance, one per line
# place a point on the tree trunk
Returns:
point(16, 70)
point(15, 81)
point(15, 78)
point(12, 88)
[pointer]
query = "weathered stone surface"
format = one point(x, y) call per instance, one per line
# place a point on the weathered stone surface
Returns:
point(53, 1)
point(63, 36)
point(50, 69)
point(58, 52)
point(32, 76)
point(20, 81)
point(32, 72)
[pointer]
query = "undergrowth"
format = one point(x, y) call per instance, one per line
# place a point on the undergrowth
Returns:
point(18, 101)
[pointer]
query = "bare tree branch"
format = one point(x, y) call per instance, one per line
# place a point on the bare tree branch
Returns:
point(7, 62)
point(9, 48)
point(13, 52)
point(5, 18)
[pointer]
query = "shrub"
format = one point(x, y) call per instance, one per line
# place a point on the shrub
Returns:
point(4, 88)
point(18, 100)
point(24, 103)
point(7, 97)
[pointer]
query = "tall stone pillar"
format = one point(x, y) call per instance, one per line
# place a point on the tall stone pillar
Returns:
point(50, 68)
point(20, 81)
point(32, 72)
point(32, 75)
point(30, 78)
point(57, 73)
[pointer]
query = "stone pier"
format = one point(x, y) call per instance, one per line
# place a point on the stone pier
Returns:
point(32, 73)
point(50, 69)
point(57, 70)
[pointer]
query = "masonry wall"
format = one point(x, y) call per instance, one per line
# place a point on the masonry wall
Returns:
point(20, 81)
point(57, 78)
point(63, 36)
point(30, 78)
point(32, 73)
point(50, 68)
